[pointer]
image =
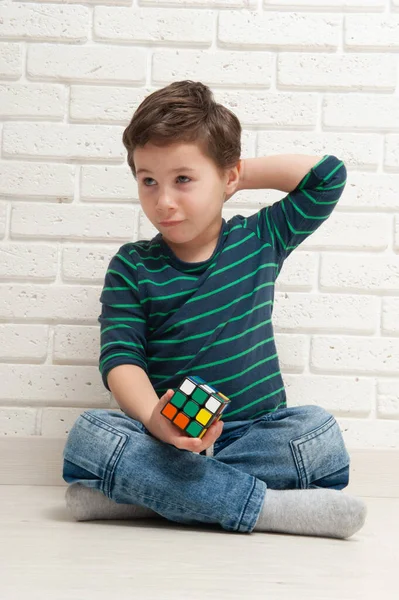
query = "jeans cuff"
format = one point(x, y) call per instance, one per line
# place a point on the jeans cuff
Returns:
point(253, 506)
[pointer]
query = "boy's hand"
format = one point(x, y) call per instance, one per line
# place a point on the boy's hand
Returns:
point(164, 430)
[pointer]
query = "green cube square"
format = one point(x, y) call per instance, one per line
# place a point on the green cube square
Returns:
point(178, 399)
point(199, 395)
point(194, 429)
point(191, 408)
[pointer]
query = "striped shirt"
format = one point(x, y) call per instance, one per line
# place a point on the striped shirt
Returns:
point(213, 318)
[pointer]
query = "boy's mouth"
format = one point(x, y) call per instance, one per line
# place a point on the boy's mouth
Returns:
point(170, 223)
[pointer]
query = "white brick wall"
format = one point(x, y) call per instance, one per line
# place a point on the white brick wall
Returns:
point(306, 76)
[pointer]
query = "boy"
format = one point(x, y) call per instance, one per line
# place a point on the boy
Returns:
point(198, 299)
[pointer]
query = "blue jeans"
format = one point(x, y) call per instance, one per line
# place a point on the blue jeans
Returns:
point(291, 448)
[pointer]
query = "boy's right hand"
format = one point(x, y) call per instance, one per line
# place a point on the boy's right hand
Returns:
point(164, 430)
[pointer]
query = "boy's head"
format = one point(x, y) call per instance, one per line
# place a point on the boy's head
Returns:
point(182, 126)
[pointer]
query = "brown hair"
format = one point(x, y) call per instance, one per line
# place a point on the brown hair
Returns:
point(185, 111)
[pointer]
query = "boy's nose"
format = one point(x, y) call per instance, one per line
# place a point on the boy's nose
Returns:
point(165, 201)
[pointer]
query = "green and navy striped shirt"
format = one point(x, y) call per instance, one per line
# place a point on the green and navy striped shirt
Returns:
point(213, 318)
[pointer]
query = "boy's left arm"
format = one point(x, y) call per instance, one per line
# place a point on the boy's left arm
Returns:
point(313, 184)
point(277, 172)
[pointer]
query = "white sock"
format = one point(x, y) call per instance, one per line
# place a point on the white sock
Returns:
point(88, 504)
point(316, 511)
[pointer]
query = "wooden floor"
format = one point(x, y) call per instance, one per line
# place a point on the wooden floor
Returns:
point(45, 555)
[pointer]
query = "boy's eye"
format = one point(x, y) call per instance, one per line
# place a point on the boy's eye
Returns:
point(150, 178)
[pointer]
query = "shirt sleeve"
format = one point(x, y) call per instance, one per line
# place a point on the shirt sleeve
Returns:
point(123, 321)
point(288, 222)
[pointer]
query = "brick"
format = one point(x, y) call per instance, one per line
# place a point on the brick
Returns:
point(362, 151)
point(291, 31)
point(87, 63)
point(391, 159)
point(10, 60)
point(28, 261)
point(370, 433)
point(50, 303)
point(248, 143)
point(360, 273)
point(315, 5)
point(87, 263)
point(3, 218)
point(202, 3)
point(76, 344)
point(255, 198)
point(271, 109)
point(388, 399)
point(53, 23)
point(361, 111)
point(113, 403)
point(108, 183)
point(33, 100)
point(367, 191)
point(114, 2)
point(292, 352)
point(53, 385)
point(343, 396)
point(28, 179)
point(73, 142)
point(146, 229)
point(105, 104)
point(73, 222)
point(298, 272)
point(221, 68)
point(57, 422)
point(228, 213)
point(390, 312)
point(353, 72)
point(371, 32)
point(355, 355)
point(154, 25)
point(301, 312)
point(23, 343)
point(18, 421)
point(350, 232)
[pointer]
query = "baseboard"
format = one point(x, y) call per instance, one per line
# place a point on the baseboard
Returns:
point(38, 461)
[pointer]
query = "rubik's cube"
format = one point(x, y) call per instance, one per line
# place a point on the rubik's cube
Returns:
point(194, 406)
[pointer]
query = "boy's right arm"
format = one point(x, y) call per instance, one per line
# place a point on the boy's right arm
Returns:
point(133, 391)
point(136, 396)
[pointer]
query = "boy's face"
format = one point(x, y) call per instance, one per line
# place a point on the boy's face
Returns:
point(191, 198)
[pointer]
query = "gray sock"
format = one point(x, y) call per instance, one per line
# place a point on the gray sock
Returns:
point(87, 504)
point(318, 511)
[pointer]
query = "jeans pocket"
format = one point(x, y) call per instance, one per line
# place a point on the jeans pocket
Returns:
point(94, 448)
point(319, 453)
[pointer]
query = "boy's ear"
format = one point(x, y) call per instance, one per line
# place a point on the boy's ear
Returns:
point(233, 182)
point(240, 166)
point(235, 176)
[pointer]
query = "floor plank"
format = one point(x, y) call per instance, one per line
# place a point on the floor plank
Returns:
point(46, 555)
